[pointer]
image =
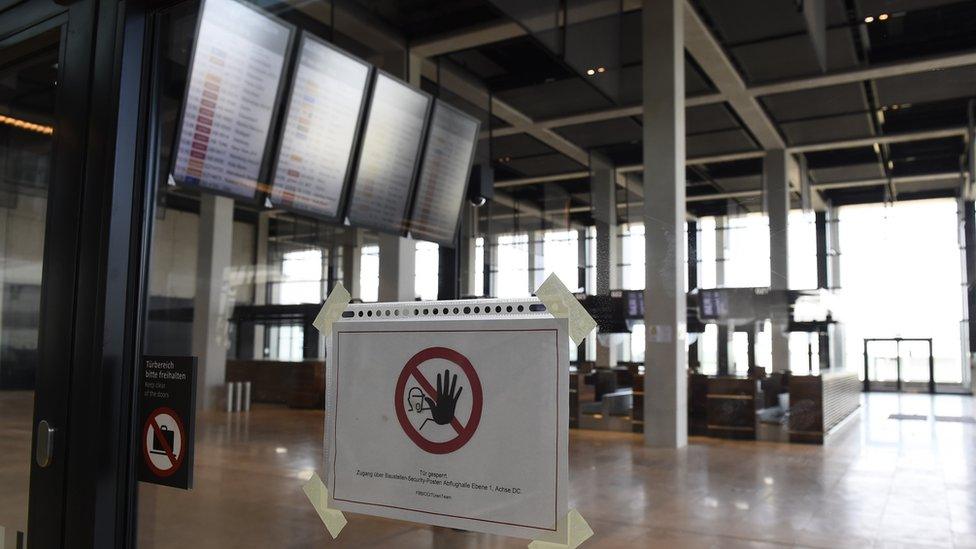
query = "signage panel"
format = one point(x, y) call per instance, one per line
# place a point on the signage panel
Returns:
point(451, 141)
point(427, 418)
point(324, 109)
point(235, 76)
point(167, 393)
point(389, 155)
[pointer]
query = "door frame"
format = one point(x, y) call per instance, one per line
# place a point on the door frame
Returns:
point(898, 381)
point(86, 349)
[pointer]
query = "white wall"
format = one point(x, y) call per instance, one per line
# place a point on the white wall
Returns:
point(173, 265)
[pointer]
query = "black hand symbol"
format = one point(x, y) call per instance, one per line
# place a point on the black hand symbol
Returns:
point(442, 411)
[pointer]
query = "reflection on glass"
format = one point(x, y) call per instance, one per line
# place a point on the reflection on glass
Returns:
point(27, 100)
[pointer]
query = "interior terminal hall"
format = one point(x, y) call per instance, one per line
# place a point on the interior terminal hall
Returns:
point(744, 232)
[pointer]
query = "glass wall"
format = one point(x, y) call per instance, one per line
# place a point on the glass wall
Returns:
point(900, 278)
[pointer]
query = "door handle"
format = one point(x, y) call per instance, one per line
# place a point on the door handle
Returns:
point(44, 447)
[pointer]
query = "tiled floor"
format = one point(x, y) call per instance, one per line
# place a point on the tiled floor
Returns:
point(879, 482)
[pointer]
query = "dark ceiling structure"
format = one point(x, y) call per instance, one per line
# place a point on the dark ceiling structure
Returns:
point(882, 117)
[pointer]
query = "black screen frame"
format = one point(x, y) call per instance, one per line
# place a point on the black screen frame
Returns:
point(356, 137)
point(275, 119)
point(452, 242)
point(405, 217)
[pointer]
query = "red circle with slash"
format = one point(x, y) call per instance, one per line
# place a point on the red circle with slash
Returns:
point(153, 423)
point(412, 370)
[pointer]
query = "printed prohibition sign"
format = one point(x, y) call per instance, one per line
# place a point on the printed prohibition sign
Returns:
point(171, 458)
point(412, 370)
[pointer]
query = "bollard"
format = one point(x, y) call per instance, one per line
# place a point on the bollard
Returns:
point(230, 396)
point(247, 396)
point(238, 389)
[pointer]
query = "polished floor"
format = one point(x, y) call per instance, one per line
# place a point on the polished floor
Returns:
point(880, 482)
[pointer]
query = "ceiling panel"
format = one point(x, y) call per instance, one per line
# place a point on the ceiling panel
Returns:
point(927, 86)
point(558, 98)
point(518, 145)
point(821, 130)
point(841, 157)
point(739, 21)
point(599, 134)
point(743, 183)
point(877, 7)
point(709, 118)
point(793, 56)
point(544, 164)
point(846, 98)
point(707, 144)
point(847, 173)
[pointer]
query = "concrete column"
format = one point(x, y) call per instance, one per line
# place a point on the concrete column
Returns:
point(468, 250)
point(776, 187)
point(603, 199)
point(491, 265)
point(666, 378)
point(261, 277)
point(967, 218)
point(581, 260)
point(351, 261)
point(397, 268)
point(537, 264)
point(210, 300)
point(724, 356)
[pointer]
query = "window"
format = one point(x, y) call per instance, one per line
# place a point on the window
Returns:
point(900, 278)
point(632, 256)
point(747, 262)
point(369, 273)
point(479, 266)
point(512, 271)
point(426, 270)
point(301, 277)
point(802, 252)
point(560, 253)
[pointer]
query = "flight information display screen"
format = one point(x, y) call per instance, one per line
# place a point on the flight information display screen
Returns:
point(235, 77)
point(389, 155)
point(451, 141)
point(324, 109)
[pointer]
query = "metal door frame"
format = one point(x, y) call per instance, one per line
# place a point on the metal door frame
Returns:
point(898, 380)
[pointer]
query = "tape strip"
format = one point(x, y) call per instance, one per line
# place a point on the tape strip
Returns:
point(318, 494)
point(578, 531)
point(562, 304)
point(331, 309)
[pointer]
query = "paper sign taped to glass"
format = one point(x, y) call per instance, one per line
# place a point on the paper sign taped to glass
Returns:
point(451, 413)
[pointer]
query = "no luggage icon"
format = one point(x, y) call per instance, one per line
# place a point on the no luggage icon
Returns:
point(163, 442)
point(440, 419)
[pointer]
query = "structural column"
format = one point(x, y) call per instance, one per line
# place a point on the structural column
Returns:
point(724, 356)
point(666, 379)
point(537, 263)
point(210, 300)
point(351, 261)
point(776, 186)
point(603, 194)
point(397, 268)
point(968, 240)
point(468, 250)
point(694, 362)
point(262, 276)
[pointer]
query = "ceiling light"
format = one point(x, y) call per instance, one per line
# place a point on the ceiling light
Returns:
point(24, 125)
point(869, 19)
point(590, 72)
point(601, 69)
point(883, 17)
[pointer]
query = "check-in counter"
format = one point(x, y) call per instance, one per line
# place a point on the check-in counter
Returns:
point(820, 403)
point(297, 384)
point(731, 405)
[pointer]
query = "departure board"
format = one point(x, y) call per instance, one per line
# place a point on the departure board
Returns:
point(235, 76)
point(389, 155)
point(315, 156)
point(451, 140)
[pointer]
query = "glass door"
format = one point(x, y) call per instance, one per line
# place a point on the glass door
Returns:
point(43, 82)
point(899, 364)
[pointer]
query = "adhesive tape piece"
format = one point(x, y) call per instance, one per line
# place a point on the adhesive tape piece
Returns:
point(562, 304)
point(318, 494)
point(331, 309)
point(578, 531)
